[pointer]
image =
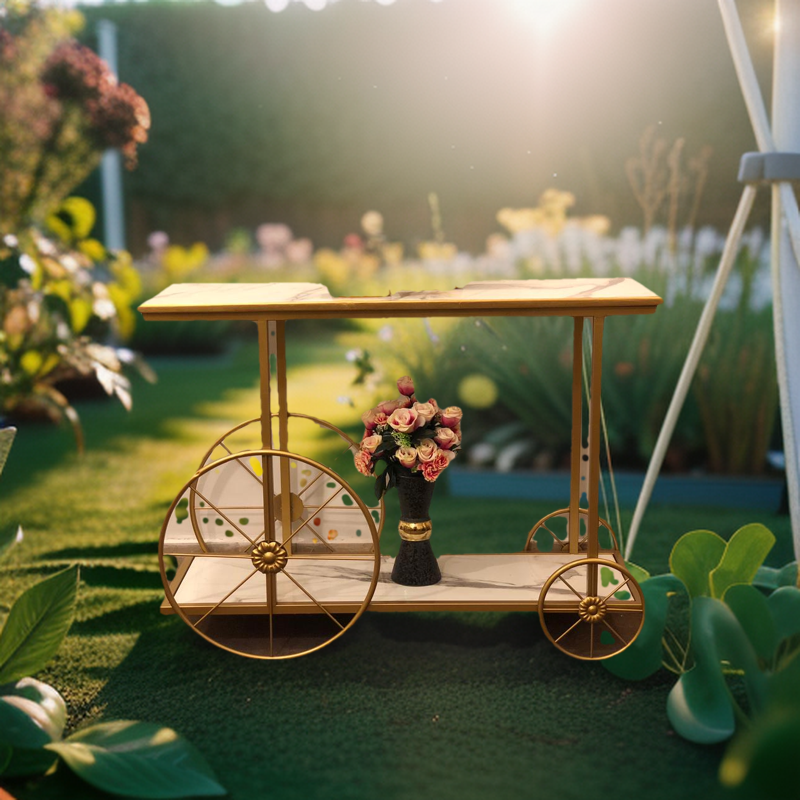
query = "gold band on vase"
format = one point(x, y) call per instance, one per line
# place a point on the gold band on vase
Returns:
point(415, 531)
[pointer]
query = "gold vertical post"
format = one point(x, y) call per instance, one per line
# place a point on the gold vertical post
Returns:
point(283, 434)
point(594, 450)
point(574, 525)
point(267, 490)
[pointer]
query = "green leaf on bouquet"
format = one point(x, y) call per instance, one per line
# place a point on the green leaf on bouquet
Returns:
point(744, 554)
point(37, 624)
point(693, 557)
point(138, 759)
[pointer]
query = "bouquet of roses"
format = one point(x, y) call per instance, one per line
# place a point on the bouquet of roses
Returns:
point(409, 437)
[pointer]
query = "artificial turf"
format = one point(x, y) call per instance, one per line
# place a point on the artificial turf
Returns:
point(412, 705)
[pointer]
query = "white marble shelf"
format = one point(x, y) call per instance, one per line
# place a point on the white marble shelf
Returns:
point(502, 582)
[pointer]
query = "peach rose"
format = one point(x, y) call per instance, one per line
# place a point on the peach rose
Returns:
point(380, 419)
point(370, 443)
point(405, 386)
point(407, 456)
point(426, 450)
point(425, 410)
point(363, 461)
point(403, 420)
point(433, 468)
point(388, 406)
point(447, 438)
point(451, 416)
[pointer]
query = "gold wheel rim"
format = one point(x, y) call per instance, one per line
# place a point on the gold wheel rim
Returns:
point(563, 544)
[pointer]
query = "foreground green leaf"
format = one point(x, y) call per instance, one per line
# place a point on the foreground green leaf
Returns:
point(700, 706)
point(753, 612)
point(693, 557)
point(9, 537)
point(138, 759)
point(773, 578)
point(6, 440)
point(744, 554)
point(784, 605)
point(37, 624)
point(32, 714)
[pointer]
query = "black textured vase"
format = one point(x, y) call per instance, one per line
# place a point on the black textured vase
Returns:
point(415, 564)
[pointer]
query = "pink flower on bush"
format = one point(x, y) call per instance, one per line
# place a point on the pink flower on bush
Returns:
point(370, 443)
point(447, 438)
point(363, 461)
point(406, 386)
point(425, 410)
point(451, 416)
point(404, 420)
point(426, 450)
point(407, 456)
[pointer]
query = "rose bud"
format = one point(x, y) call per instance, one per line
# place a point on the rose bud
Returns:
point(451, 416)
point(405, 386)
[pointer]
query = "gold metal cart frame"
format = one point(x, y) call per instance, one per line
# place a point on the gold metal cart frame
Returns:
point(589, 604)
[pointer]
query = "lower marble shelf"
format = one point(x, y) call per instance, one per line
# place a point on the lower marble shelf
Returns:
point(495, 582)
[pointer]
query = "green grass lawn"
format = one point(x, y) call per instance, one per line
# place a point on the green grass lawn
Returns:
point(403, 706)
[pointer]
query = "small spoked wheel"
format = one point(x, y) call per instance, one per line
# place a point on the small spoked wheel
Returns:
point(550, 534)
point(247, 583)
point(305, 478)
point(591, 609)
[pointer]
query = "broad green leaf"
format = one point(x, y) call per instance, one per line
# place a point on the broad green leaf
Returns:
point(699, 706)
point(138, 759)
point(751, 609)
point(32, 714)
point(5, 757)
point(640, 574)
point(784, 605)
point(744, 554)
point(6, 440)
point(644, 656)
point(693, 557)
point(37, 624)
point(8, 538)
point(772, 577)
point(43, 708)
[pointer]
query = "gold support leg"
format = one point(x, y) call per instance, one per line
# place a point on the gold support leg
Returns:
point(574, 529)
point(267, 490)
point(283, 434)
point(594, 450)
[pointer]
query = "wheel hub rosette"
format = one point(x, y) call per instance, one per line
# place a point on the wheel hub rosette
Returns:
point(269, 557)
point(592, 609)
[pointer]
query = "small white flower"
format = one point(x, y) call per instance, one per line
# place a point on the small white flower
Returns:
point(27, 263)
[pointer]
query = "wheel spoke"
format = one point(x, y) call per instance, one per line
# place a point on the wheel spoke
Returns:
point(313, 599)
point(566, 583)
point(295, 532)
point(615, 632)
point(622, 585)
point(303, 491)
point(269, 609)
point(214, 608)
point(591, 641)
point(243, 466)
point(571, 627)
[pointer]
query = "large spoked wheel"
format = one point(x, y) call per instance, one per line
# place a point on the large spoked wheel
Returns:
point(550, 534)
point(307, 478)
point(250, 589)
point(591, 609)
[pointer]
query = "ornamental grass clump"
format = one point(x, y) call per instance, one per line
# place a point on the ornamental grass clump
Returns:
point(409, 437)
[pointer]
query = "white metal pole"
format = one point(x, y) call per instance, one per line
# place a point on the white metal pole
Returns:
point(111, 165)
point(785, 270)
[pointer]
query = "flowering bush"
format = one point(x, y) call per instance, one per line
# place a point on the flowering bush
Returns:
point(409, 437)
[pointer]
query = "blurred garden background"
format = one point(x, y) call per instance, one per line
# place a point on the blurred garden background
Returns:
point(373, 147)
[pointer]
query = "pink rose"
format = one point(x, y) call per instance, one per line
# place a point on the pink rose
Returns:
point(434, 404)
point(403, 420)
point(433, 468)
point(388, 406)
point(404, 402)
point(407, 456)
point(368, 418)
point(447, 438)
point(451, 416)
point(370, 443)
point(380, 419)
point(405, 386)
point(425, 410)
point(426, 450)
point(363, 461)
